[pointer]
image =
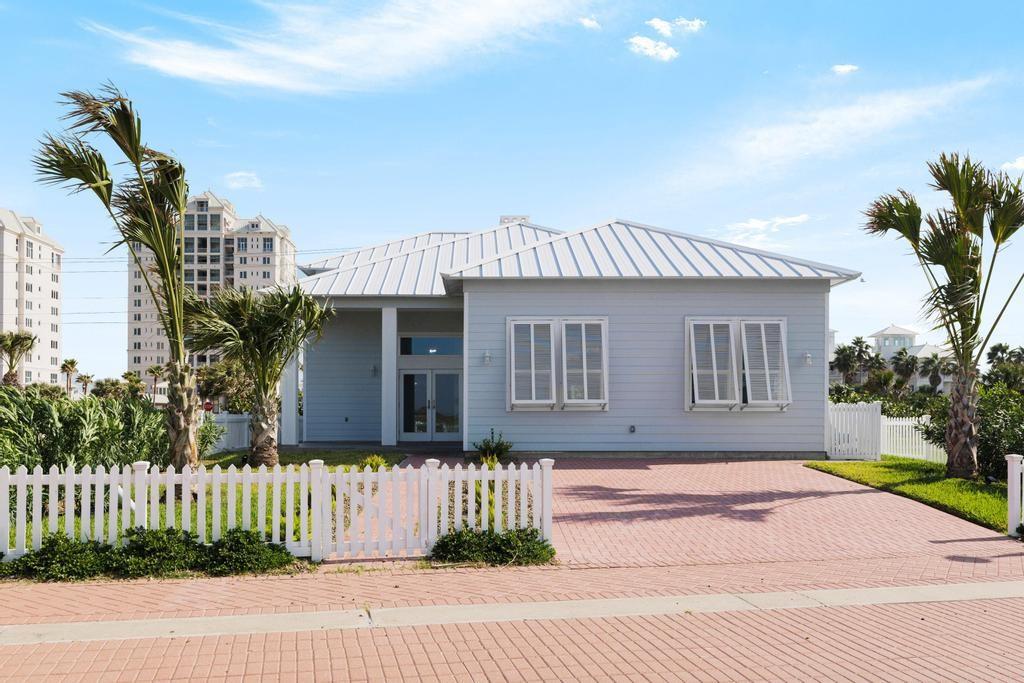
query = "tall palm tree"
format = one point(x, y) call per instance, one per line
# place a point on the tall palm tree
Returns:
point(845, 362)
point(15, 346)
point(904, 365)
point(934, 367)
point(85, 381)
point(69, 367)
point(263, 331)
point(134, 386)
point(146, 206)
point(951, 246)
point(157, 373)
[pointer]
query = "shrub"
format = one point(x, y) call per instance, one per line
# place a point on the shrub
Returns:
point(913, 404)
point(1000, 428)
point(510, 547)
point(243, 552)
point(207, 436)
point(156, 552)
point(60, 558)
point(374, 462)
point(493, 448)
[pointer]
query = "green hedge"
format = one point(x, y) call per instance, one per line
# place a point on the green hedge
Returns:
point(510, 547)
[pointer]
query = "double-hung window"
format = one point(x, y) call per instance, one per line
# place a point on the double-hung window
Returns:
point(737, 363)
point(532, 362)
point(584, 362)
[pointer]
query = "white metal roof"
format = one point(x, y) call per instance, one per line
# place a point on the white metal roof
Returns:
point(895, 329)
point(623, 249)
point(418, 272)
point(362, 255)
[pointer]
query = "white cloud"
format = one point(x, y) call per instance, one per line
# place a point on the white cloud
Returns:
point(762, 233)
point(666, 28)
point(1015, 165)
point(243, 180)
point(321, 49)
point(824, 132)
point(590, 23)
point(844, 69)
point(655, 49)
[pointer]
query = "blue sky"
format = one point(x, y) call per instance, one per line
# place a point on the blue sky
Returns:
point(770, 123)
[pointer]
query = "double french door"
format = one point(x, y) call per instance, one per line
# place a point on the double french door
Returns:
point(430, 405)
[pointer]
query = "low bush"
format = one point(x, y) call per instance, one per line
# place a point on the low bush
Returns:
point(156, 552)
point(243, 552)
point(510, 547)
point(492, 449)
point(60, 558)
point(374, 462)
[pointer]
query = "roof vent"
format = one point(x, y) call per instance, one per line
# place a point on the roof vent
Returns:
point(508, 220)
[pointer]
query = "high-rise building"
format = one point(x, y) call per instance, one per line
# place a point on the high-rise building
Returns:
point(30, 296)
point(221, 250)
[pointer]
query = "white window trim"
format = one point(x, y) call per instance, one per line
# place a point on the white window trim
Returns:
point(739, 352)
point(513, 402)
point(602, 402)
point(692, 364)
point(784, 335)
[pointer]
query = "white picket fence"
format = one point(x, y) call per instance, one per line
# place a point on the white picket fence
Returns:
point(901, 436)
point(859, 431)
point(313, 511)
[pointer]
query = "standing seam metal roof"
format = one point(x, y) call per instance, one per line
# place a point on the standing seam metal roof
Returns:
point(376, 252)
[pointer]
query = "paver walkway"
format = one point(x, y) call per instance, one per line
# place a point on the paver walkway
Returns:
point(622, 528)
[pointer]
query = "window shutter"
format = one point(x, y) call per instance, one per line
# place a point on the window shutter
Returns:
point(542, 355)
point(712, 368)
point(765, 362)
point(583, 351)
point(532, 362)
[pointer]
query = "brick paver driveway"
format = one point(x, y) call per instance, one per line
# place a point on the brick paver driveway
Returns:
point(623, 528)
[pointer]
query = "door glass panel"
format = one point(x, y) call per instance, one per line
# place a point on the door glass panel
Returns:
point(430, 346)
point(447, 397)
point(414, 403)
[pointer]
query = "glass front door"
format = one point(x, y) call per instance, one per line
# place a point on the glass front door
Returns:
point(430, 405)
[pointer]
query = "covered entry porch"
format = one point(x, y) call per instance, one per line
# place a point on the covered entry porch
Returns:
point(389, 373)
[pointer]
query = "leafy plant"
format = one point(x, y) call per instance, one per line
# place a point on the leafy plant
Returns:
point(156, 552)
point(510, 547)
point(242, 551)
point(373, 461)
point(493, 448)
point(207, 437)
point(14, 346)
point(60, 558)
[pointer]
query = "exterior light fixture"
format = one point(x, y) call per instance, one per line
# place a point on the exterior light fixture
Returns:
point(374, 370)
point(487, 357)
point(808, 360)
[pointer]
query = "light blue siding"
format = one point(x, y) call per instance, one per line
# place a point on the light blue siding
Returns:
point(646, 365)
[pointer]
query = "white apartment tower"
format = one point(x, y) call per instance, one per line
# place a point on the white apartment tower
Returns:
point(30, 297)
point(221, 250)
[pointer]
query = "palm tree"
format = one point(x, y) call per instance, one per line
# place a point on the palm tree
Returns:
point(69, 367)
point(157, 373)
point(904, 365)
point(147, 208)
point(15, 346)
point(951, 245)
point(134, 386)
point(844, 362)
point(263, 332)
point(85, 381)
point(934, 367)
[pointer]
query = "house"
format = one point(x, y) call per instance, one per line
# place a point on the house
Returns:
point(892, 339)
point(619, 337)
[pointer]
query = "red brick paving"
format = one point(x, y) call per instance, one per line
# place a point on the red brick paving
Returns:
point(622, 528)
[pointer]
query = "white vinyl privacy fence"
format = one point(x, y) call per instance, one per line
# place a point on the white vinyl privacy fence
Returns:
point(1014, 490)
point(313, 511)
point(859, 431)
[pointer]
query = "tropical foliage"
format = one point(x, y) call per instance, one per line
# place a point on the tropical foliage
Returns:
point(262, 332)
point(69, 367)
point(957, 248)
point(224, 382)
point(14, 346)
point(146, 206)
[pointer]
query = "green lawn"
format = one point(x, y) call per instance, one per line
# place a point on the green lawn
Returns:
point(926, 482)
point(332, 458)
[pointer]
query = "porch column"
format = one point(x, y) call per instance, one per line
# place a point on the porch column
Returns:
point(290, 403)
point(389, 376)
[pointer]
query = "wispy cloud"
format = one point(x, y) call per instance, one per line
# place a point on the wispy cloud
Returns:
point(844, 69)
point(243, 180)
point(655, 49)
point(322, 49)
point(763, 233)
point(1015, 165)
point(824, 132)
point(667, 28)
point(590, 23)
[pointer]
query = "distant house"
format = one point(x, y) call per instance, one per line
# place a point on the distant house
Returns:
point(889, 342)
point(619, 337)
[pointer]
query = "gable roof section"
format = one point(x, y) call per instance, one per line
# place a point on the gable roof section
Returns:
point(624, 249)
point(362, 255)
point(418, 272)
point(895, 329)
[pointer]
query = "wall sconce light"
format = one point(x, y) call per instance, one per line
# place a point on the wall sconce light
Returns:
point(374, 370)
point(487, 357)
point(808, 360)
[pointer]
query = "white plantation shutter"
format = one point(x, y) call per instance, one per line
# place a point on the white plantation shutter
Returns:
point(765, 361)
point(712, 364)
point(531, 362)
point(583, 354)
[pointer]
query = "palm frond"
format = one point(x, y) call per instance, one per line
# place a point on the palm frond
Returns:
point(966, 182)
point(1006, 209)
point(898, 213)
point(108, 112)
point(72, 162)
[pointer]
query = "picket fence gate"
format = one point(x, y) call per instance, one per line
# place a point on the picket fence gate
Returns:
point(855, 430)
point(313, 511)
